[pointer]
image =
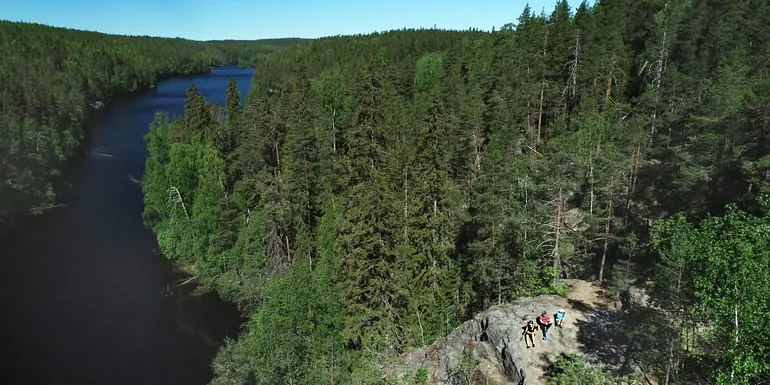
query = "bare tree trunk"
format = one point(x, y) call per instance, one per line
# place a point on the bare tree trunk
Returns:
point(591, 181)
point(669, 364)
point(277, 156)
point(406, 206)
point(576, 61)
point(557, 231)
point(637, 160)
point(288, 248)
point(334, 130)
point(571, 87)
point(606, 238)
point(540, 114)
point(542, 87)
point(660, 67)
point(635, 154)
point(331, 368)
point(422, 332)
point(735, 339)
point(175, 197)
point(499, 291)
point(476, 149)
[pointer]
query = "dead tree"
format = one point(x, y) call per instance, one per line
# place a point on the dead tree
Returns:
point(659, 67)
point(406, 205)
point(556, 229)
point(174, 196)
point(542, 87)
point(40, 137)
point(607, 224)
point(570, 88)
point(277, 255)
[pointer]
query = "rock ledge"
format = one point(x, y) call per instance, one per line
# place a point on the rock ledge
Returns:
point(490, 346)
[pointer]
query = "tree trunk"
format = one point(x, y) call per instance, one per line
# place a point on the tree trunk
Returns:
point(476, 149)
point(635, 154)
point(422, 332)
point(660, 65)
point(591, 181)
point(288, 248)
point(669, 364)
point(277, 156)
point(606, 239)
point(557, 235)
point(334, 130)
point(406, 206)
point(542, 88)
point(176, 197)
point(735, 339)
point(637, 160)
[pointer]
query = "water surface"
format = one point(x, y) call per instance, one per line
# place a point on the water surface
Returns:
point(81, 290)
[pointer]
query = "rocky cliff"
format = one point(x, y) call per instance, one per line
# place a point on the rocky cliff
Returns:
point(490, 348)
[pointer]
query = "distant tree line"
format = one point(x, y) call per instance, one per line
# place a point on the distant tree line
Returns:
point(377, 190)
point(51, 78)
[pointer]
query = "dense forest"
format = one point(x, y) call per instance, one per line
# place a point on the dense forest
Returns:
point(51, 78)
point(377, 190)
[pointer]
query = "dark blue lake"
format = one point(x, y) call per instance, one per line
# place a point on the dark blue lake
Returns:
point(82, 296)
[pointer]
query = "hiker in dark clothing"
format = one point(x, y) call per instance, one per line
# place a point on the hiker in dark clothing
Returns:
point(545, 323)
point(529, 332)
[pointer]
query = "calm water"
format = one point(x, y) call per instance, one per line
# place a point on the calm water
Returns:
point(81, 287)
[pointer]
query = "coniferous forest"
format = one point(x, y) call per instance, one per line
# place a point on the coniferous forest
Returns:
point(51, 78)
point(375, 191)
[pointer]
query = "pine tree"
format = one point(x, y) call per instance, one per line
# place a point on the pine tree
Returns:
point(301, 164)
point(367, 267)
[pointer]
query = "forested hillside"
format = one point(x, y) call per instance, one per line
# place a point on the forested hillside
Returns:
point(376, 190)
point(50, 78)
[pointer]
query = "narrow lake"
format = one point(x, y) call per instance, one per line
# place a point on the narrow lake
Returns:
point(82, 296)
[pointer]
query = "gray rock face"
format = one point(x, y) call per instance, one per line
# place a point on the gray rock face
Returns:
point(491, 346)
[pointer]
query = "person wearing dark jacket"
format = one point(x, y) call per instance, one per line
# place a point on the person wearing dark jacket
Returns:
point(529, 333)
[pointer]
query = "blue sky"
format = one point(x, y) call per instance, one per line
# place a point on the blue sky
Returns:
point(259, 19)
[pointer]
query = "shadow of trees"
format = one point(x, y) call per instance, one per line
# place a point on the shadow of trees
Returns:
point(620, 341)
point(604, 339)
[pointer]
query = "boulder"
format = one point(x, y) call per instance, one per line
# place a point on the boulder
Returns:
point(491, 346)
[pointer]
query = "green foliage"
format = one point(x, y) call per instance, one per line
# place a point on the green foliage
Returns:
point(621, 280)
point(376, 191)
point(295, 335)
point(575, 370)
point(725, 259)
point(422, 374)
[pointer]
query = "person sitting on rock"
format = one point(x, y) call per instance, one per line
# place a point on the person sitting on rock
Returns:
point(545, 322)
point(529, 332)
point(560, 316)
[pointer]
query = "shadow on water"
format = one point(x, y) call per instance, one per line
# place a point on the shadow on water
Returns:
point(82, 290)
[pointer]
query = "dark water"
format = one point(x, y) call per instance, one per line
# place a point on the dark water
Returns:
point(81, 287)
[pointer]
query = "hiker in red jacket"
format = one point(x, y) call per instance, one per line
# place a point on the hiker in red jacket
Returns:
point(545, 323)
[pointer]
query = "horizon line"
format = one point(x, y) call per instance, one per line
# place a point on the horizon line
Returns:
point(259, 39)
